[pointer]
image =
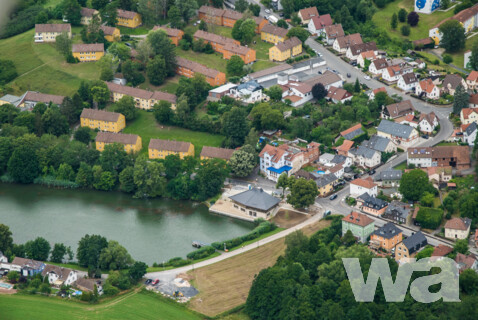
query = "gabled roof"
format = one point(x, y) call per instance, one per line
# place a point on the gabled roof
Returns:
point(473, 76)
point(377, 143)
point(389, 174)
point(358, 219)
point(427, 85)
point(409, 78)
point(213, 152)
point(338, 159)
point(277, 31)
point(111, 137)
point(88, 47)
point(452, 81)
point(27, 263)
point(140, 93)
point(211, 11)
point(101, 115)
point(126, 14)
point(325, 179)
point(62, 273)
point(237, 49)
point(169, 145)
point(428, 117)
point(462, 16)
point(171, 32)
point(365, 152)
point(389, 230)
point(400, 109)
point(364, 183)
point(42, 97)
point(466, 112)
point(471, 128)
point(380, 64)
point(308, 13)
point(256, 198)
point(352, 132)
point(211, 37)
point(395, 129)
point(372, 202)
point(288, 44)
point(53, 27)
point(338, 94)
point(349, 40)
point(231, 14)
point(321, 21)
point(398, 209)
point(334, 31)
point(473, 99)
point(415, 241)
point(87, 12)
point(356, 49)
point(368, 55)
point(108, 30)
point(197, 67)
point(326, 79)
point(269, 71)
point(458, 224)
point(441, 250)
point(381, 89)
point(345, 146)
point(465, 262)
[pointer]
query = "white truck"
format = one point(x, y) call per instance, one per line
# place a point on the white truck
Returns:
point(272, 19)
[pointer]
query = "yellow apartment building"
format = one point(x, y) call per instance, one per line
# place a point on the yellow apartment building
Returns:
point(285, 50)
point(143, 99)
point(111, 33)
point(87, 15)
point(128, 19)
point(49, 32)
point(216, 153)
point(102, 120)
point(160, 149)
point(132, 143)
point(87, 52)
point(273, 34)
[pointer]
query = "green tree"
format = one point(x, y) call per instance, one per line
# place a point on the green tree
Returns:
point(131, 72)
point(275, 92)
point(241, 5)
point(13, 276)
point(288, 7)
point(109, 14)
point(137, 270)
point(150, 10)
point(461, 98)
point(120, 51)
point(72, 12)
point(6, 240)
point(106, 74)
point(298, 32)
point(349, 239)
point(41, 18)
point(357, 87)
point(427, 199)
point(453, 36)
point(148, 178)
point(235, 127)
point(302, 193)
point(104, 181)
point(163, 112)
point(45, 288)
point(58, 253)
point(187, 8)
point(84, 177)
point(38, 249)
point(162, 46)
point(235, 66)
point(126, 179)
point(318, 91)
point(473, 57)
point(255, 9)
point(54, 122)
point(71, 108)
point(175, 17)
point(83, 134)
point(100, 93)
point(413, 18)
point(248, 31)
point(8, 72)
point(236, 30)
point(144, 51)
point(282, 24)
point(469, 282)
point(447, 59)
point(414, 184)
point(65, 172)
point(114, 257)
point(242, 163)
point(156, 70)
point(25, 119)
point(405, 30)
point(402, 15)
point(126, 107)
point(63, 43)
point(23, 165)
point(283, 182)
point(202, 25)
point(461, 246)
point(210, 179)
point(394, 21)
point(172, 165)
point(114, 158)
point(89, 249)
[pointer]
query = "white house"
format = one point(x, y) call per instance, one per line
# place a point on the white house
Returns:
point(354, 51)
point(326, 159)
point(472, 80)
point(469, 134)
point(360, 186)
point(428, 122)
point(365, 157)
point(393, 73)
point(380, 144)
point(428, 89)
point(333, 32)
point(364, 56)
point(407, 81)
point(402, 135)
point(248, 92)
point(341, 44)
point(297, 92)
point(426, 6)
point(337, 95)
point(420, 157)
point(318, 24)
point(378, 66)
point(59, 276)
point(468, 115)
point(457, 228)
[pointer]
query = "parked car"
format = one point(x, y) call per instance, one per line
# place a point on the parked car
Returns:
point(155, 282)
point(281, 14)
point(267, 11)
point(372, 172)
point(148, 281)
point(335, 71)
point(333, 197)
point(327, 213)
point(348, 75)
point(425, 136)
point(366, 77)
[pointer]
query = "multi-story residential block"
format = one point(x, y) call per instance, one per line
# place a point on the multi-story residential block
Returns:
point(132, 143)
point(398, 212)
point(102, 120)
point(397, 110)
point(143, 99)
point(226, 46)
point(128, 19)
point(457, 228)
point(316, 25)
point(409, 247)
point(227, 18)
point(87, 52)
point(211, 15)
point(188, 68)
point(247, 54)
point(174, 34)
point(49, 32)
point(407, 81)
point(426, 88)
point(360, 186)
point(469, 115)
point(332, 33)
point(308, 13)
point(285, 50)
point(372, 205)
point(386, 237)
point(273, 34)
point(87, 15)
point(111, 33)
point(355, 50)
point(216, 153)
point(428, 122)
point(160, 149)
point(341, 44)
point(402, 135)
point(359, 224)
point(286, 158)
point(440, 156)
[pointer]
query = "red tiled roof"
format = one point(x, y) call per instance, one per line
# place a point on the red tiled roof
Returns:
point(351, 129)
point(169, 145)
point(427, 85)
point(338, 93)
point(473, 98)
point(334, 31)
point(467, 111)
point(108, 30)
point(88, 47)
point(358, 219)
point(288, 44)
point(382, 89)
point(213, 152)
point(322, 21)
point(111, 137)
point(87, 12)
point(456, 223)
point(473, 76)
point(196, 67)
point(126, 14)
point(42, 97)
point(441, 250)
point(364, 183)
point(53, 27)
point(272, 29)
point(308, 13)
point(346, 146)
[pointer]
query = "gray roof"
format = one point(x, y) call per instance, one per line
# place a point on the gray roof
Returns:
point(353, 134)
point(399, 209)
point(388, 231)
point(256, 198)
point(11, 99)
point(372, 202)
point(390, 174)
point(309, 62)
point(415, 242)
point(250, 86)
point(327, 157)
point(338, 159)
point(325, 179)
point(395, 129)
point(377, 143)
point(270, 71)
point(365, 152)
point(471, 128)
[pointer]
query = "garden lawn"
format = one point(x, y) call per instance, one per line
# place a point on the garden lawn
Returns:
point(213, 60)
point(170, 85)
point(133, 305)
point(137, 31)
point(146, 127)
point(383, 17)
point(402, 166)
point(42, 68)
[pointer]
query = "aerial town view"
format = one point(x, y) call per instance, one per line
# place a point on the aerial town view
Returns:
point(239, 159)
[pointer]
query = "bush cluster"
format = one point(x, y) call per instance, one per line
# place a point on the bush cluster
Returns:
point(263, 227)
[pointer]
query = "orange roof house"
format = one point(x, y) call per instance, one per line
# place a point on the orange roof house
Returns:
point(308, 13)
point(188, 68)
point(227, 46)
point(345, 147)
point(174, 34)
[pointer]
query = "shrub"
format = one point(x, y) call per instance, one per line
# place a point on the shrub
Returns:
point(429, 218)
point(262, 228)
point(405, 30)
point(447, 59)
point(201, 253)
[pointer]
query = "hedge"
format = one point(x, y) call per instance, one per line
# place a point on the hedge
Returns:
point(429, 218)
point(201, 253)
point(263, 227)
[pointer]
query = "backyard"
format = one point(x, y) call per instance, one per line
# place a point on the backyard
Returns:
point(146, 127)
